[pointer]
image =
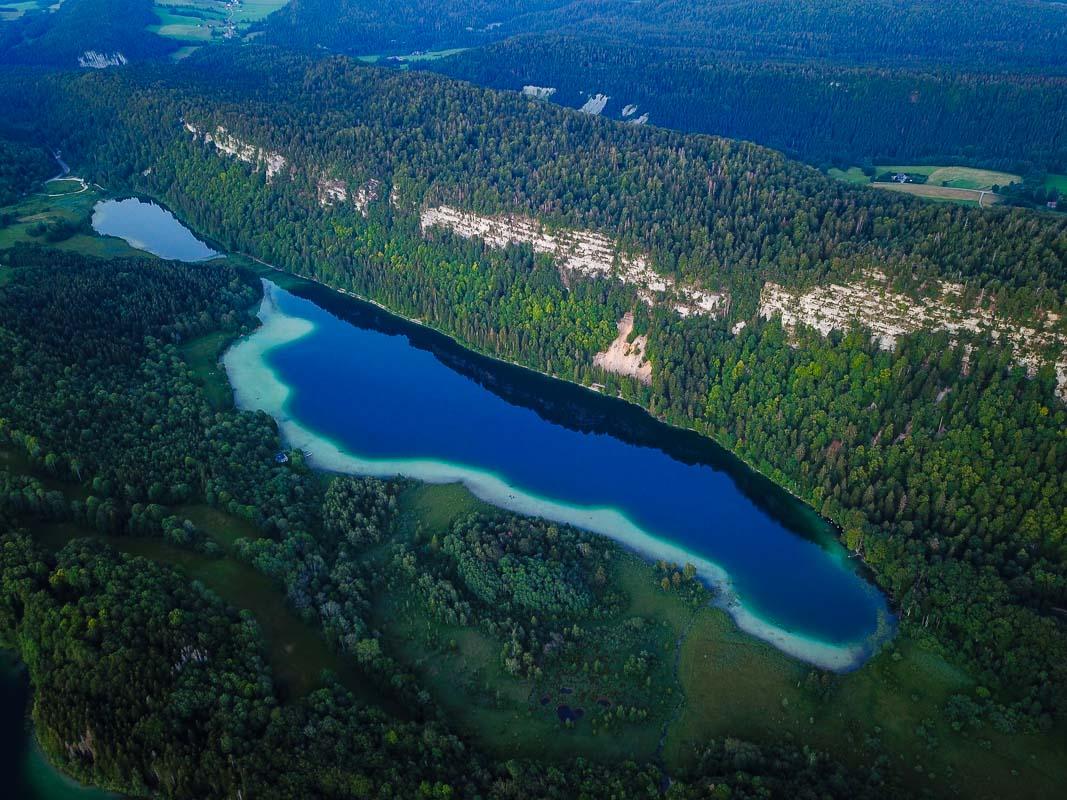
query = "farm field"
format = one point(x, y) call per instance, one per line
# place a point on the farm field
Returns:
point(850, 175)
point(199, 21)
point(957, 177)
point(14, 10)
point(953, 194)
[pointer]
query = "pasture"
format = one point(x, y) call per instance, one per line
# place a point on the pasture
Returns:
point(972, 197)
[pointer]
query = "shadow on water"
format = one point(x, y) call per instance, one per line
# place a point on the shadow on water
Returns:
point(577, 408)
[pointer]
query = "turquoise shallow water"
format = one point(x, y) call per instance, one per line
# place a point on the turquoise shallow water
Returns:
point(365, 392)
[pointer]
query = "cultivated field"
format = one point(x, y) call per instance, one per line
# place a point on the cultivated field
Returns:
point(943, 193)
point(958, 177)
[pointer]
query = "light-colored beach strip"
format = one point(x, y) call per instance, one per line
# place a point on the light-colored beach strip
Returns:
point(257, 387)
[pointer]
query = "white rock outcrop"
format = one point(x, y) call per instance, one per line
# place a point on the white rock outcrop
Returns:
point(595, 104)
point(91, 59)
point(230, 145)
point(890, 315)
point(577, 252)
point(539, 92)
point(331, 192)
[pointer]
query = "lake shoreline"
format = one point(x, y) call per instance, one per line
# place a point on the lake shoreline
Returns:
point(256, 386)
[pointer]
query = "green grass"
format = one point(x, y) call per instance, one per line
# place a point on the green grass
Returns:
point(430, 55)
point(74, 208)
point(956, 177)
point(737, 686)
point(202, 355)
point(223, 527)
point(184, 52)
point(1057, 182)
point(851, 175)
point(434, 506)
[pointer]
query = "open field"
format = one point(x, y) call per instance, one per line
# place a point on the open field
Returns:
point(1057, 182)
point(956, 177)
point(850, 175)
point(202, 356)
point(943, 193)
point(72, 210)
point(14, 10)
point(201, 21)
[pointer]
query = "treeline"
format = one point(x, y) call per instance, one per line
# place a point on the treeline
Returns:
point(822, 114)
point(21, 167)
point(147, 683)
point(917, 481)
point(992, 35)
point(59, 37)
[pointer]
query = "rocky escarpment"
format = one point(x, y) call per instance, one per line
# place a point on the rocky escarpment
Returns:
point(230, 145)
point(578, 252)
point(889, 315)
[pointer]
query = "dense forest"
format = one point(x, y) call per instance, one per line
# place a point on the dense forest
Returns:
point(992, 35)
point(945, 475)
point(21, 167)
point(59, 37)
point(192, 707)
point(821, 113)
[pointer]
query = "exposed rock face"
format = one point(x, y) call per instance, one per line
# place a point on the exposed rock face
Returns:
point(230, 145)
point(595, 104)
point(91, 59)
point(331, 191)
point(889, 315)
point(579, 252)
point(624, 357)
point(365, 195)
point(539, 92)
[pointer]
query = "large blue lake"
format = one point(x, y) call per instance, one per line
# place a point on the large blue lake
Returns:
point(367, 393)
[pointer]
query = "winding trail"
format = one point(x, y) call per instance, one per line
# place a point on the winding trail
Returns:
point(679, 706)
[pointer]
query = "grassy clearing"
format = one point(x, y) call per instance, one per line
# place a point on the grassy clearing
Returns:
point(62, 186)
point(850, 175)
point(736, 686)
point(183, 52)
point(943, 193)
point(202, 355)
point(1057, 182)
point(74, 209)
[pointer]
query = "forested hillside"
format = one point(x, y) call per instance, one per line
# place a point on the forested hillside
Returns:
point(822, 113)
point(999, 33)
point(944, 464)
point(68, 36)
point(147, 682)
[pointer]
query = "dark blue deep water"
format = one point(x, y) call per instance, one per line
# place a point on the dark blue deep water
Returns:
point(381, 388)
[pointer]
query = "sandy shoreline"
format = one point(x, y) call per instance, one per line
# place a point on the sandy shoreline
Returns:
point(257, 387)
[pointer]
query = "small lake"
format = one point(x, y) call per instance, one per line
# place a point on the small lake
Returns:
point(367, 393)
point(149, 227)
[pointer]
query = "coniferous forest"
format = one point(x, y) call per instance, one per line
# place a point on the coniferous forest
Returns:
point(203, 614)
